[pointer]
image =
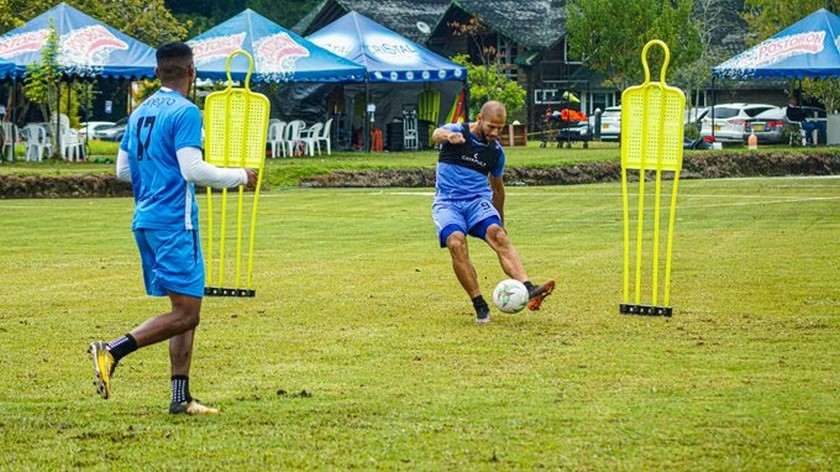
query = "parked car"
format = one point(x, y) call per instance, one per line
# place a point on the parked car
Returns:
point(113, 133)
point(90, 128)
point(611, 124)
point(774, 127)
point(574, 131)
point(730, 120)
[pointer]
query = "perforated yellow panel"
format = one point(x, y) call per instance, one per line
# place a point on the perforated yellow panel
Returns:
point(236, 125)
point(652, 122)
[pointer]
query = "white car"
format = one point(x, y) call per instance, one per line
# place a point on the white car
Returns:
point(89, 128)
point(730, 120)
point(611, 124)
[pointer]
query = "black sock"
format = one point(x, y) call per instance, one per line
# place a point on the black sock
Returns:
point(122, 347)
point(479, 304)
point(528, 285)
point(180, 389)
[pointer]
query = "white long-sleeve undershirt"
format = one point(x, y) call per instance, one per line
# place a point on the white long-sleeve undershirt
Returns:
point(193, 169)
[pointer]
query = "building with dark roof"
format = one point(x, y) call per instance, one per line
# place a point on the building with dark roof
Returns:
point(413, 19)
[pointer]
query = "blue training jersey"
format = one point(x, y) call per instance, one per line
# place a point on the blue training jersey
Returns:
point(456, 182)
point(157, 129)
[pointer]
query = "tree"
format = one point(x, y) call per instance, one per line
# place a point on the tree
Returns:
point(198, 17)
point(608, 36)
point(720, 32)
point(488, 83)
point(765, 18)
point(42, 78)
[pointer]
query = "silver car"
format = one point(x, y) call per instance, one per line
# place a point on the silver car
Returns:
point(730, 120)
point(774, 127)
point(611, 124)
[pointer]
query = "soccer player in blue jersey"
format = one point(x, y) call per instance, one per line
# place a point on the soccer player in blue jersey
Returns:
point(160, 155)
point(464, 203)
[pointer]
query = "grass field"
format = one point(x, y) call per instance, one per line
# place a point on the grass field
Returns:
point(361, 350)
point(285, 173)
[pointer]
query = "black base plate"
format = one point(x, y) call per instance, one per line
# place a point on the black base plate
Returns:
point(228, 292)
point(644, 310)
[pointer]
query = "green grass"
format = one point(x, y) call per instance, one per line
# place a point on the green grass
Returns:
point(286, 173)
point(358, 307)
point(283, 173)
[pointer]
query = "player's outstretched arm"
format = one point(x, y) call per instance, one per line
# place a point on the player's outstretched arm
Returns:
point(195, 170)
point(123, 169)
point(443, 135)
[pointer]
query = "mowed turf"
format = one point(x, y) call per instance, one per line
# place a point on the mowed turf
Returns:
point(361, 351)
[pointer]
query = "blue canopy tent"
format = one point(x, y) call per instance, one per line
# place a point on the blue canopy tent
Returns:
point(388, 58)
point(807, 49)
point(386, 55)
point(279, 54)
point(87, 48)
point(7, 68)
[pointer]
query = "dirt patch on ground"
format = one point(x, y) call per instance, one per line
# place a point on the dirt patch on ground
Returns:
point(62, 186)
point(695, 166)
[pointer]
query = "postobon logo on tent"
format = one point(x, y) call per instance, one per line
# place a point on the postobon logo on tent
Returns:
point(392, 50)
point(89, 46)
point(23, 43)
point(277, 54)
point(802, 43)
point(776, 50)
point(211, 49)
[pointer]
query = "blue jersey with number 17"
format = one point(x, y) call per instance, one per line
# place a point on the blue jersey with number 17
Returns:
point(157, 129)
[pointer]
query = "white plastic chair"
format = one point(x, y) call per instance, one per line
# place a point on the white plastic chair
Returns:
point(275, 138)
point(292, 135)
point(11, 140)
point(72, 146)
point(38, 142)
point(310, 138)
point(325, 137)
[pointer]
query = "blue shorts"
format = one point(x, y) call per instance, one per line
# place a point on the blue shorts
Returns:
point(172, 262)
point(471, 217)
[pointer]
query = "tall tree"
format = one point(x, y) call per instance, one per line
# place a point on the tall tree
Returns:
point(721, 34)
point(767, 17)
point(201, 16)
point(608, 35)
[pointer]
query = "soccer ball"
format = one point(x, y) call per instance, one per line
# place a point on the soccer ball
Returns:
point(510, 296)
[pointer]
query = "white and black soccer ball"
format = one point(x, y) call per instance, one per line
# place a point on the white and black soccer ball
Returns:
point(510, 296)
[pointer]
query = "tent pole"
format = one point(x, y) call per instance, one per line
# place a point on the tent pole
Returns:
point(57, 150)
point(714, 101)
point(14, 114)
point(466, 110)
point(366, 126)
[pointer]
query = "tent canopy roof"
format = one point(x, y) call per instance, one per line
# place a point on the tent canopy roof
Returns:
point(87, 47)
point(279, 54)
point(386, 55)
point(808, 48)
